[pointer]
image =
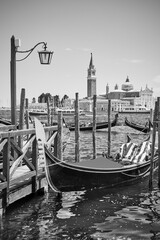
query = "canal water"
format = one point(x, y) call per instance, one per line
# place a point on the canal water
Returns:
point(130, 212)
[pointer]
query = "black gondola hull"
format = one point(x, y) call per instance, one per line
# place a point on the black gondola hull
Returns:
point(100, 125)
point(141, 128)
point(72, 177)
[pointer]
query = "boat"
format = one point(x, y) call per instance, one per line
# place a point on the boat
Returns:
point(37, 112)
point(99, 125)
point(68, 111)
point(134, 109)
point(97, 173)
point(142, 128)
point(5, 121)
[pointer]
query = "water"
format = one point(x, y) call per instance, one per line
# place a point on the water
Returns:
point(128, 213)
point(131, 212)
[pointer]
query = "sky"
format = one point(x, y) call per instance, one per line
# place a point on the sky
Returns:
point(122, 35)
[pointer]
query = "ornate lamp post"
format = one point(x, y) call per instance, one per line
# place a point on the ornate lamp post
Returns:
point(45, 58)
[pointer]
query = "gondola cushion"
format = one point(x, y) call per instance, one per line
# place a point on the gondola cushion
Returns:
point(132, 153)
point(127, 150)
point(142, 152)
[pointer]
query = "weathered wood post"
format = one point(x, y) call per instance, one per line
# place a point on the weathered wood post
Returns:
point(27, 114)
point(35, 164)
point(52, 111)
point(59, 137)
point(158, 99)
point(94, 125)
point(153, 143)
point(48, 113)
point(151, 115)
point(6, 166)
point(109, 127)
point(21, 116)
point(77, 156)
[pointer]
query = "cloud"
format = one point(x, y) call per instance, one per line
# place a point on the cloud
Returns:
point(134, 61)
point(68, 49)
point(86, 49)
point(156, 79)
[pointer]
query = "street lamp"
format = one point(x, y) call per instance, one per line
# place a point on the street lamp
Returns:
point(45, 58)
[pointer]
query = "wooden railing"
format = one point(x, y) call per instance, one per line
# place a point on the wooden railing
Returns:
point(13, 156)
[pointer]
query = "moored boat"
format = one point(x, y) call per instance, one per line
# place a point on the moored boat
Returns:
point(37, 112)
point(5, 121)
point(132, 165)
point(68, 111)
point(134, 109)
point(142, 128)
point(99, 125)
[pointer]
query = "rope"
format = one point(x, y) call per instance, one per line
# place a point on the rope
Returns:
point(130, 175)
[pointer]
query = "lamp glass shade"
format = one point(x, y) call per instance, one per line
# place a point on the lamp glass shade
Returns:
point(45, 57)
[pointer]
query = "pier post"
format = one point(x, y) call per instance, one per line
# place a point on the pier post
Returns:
point(35, 164)
point(94, 125)
point(6, 166)
point(59, 137)
point(151, 115)
point(21, 116)
point(158, 99)
point(153, 144)
point(77, 128)
point(48, 113)
point(26, 114)
point(109, 127)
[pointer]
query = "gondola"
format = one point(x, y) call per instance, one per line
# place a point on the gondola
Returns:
point(37, 113)
point(89, 174)
point(99, 125)
point(139, 127)
point(5, 121)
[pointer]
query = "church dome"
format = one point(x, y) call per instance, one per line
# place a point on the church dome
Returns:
point(127, 86)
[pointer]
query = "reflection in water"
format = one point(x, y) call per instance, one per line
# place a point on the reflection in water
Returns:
point(69, 199)
point(131, 213)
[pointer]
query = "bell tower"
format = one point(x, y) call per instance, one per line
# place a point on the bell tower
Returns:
point(91, 79)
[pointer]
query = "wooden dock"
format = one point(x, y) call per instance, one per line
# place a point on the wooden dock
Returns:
point(21, 174)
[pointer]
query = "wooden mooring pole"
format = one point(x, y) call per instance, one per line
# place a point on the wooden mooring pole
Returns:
point(153, 143)
point(158, 99)
point(77, 135)
point(59, 137)
point(48, 113)
point(21, 116)
point(94, 125)
point(109, 127)
point(26, 114)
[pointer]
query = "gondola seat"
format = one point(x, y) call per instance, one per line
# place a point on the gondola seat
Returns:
point(132, 153)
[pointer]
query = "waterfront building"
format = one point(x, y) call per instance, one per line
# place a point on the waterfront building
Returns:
point(91, 79)
point(134, 97)
point(102, 104)
point(120, 98)
point(37, 106)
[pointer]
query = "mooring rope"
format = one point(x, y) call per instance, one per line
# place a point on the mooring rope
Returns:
point(130, 175)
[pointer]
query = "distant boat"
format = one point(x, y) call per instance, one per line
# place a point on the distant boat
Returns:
point(37, 112)
point(142, 128)
point(5, 121)
point(99, 125)
point(68, 111)
point(134, 109)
